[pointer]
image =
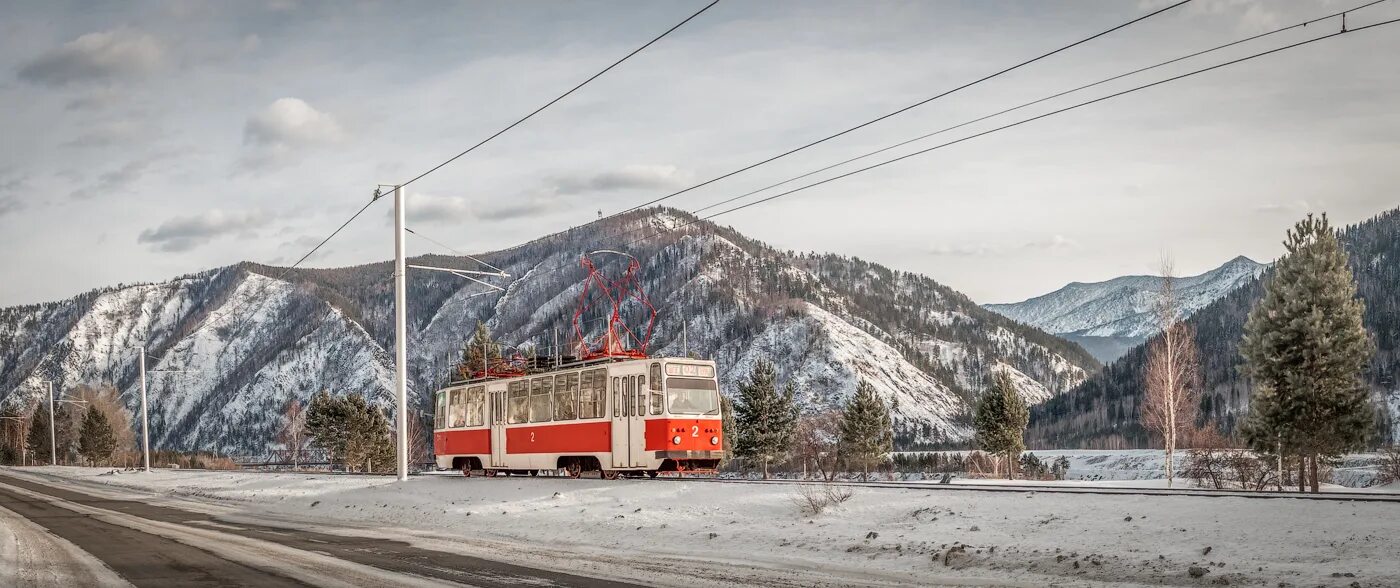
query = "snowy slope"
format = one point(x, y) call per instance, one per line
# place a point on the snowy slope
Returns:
point(235, 343)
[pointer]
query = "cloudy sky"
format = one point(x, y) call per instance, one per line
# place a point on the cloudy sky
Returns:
point(149, 139)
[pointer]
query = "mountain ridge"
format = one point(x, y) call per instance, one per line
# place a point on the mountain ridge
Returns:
point(249, 341)
point(1110, 316)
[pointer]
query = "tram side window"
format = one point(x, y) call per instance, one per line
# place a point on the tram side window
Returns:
point(592, 394)
point(658, 399)
point(519, 403)
point(476, 406)
point(541, 391)
point(457, 410)
point(656, 376)
point(440, 415)
point(565, 397)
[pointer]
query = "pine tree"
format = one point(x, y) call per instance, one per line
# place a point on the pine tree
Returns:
point(352, 430)
point(766, 419)
point(867, 434)
point(727, 427)
point(1001, 420)
point(327, 424)
point(38, 439)
point(1306, 349)
point(481, 346)
point(96, 441)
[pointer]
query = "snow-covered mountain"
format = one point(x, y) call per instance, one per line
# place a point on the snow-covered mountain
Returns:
point(231, 345)
point(1109, 317)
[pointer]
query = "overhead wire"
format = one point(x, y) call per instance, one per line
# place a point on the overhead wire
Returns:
point(1021, 122)
point(488, 139)
point(561, 96)
point(902, 110)
point(1037, 101)
point(1011, 125)
point(867, 123)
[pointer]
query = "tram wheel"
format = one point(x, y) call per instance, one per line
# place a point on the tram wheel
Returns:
point(490, 473)
point(652, 473)
point(534, 473)
point(611, 474)
point(574, 469)
point(467, 469)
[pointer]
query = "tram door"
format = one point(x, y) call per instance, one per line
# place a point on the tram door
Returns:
point(498, 428)
point(628, 424)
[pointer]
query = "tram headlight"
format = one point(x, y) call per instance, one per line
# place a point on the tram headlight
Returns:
point(714, 440)
point(676, 440)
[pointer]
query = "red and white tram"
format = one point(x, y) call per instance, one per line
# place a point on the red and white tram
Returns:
point(642, 416)
point(608, 407)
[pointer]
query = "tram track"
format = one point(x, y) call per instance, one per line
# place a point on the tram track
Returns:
point(1341, 496)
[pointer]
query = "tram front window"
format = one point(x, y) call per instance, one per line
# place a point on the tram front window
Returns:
point(692, 396)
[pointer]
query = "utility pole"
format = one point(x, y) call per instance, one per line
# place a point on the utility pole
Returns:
point(400, 333)
point(145, 430)
point(685, 339)
point(53, 438)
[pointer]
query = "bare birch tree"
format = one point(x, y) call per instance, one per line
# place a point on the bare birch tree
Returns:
point(1172, 373)
point(293, 433)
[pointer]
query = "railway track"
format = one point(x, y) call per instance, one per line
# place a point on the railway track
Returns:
point(1342, 496)
point(1333, 496)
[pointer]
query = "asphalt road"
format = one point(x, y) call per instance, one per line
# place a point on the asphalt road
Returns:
point(150, 545)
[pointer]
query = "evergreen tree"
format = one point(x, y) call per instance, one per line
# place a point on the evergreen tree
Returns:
point(727, 427)
point(97, 440)
point(38, 439)
point(867, 435)
point(481, 346)
point(354, 431)
point(766, 419)
point(369, 445)
point(328, 424)
point(13, 436)
point(1001, 420)
point(1306, 349)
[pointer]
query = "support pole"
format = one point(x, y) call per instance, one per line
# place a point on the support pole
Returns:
point(145, 426)
point(400, 334)
point(685, 338)
point(53, 438)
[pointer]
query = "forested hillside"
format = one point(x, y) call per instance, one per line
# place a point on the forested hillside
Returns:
point(1103, 412)
point(238, 342)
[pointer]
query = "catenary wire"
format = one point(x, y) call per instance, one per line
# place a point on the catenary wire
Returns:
point(862, 125)
point(1018, 123)
point(1038, 101)
point(629, 231)
point(561, 96)
point(901, 110)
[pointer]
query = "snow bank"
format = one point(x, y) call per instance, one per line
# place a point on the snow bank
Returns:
point(755, 533)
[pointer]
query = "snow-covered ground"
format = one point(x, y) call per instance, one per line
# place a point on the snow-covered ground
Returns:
point(725, 533)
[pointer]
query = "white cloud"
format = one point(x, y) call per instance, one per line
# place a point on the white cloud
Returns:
point(1053, 243)
point(104, 56)
point(630, 177)
point(183, 233)
point(272, 134)
point(291, 122)
point(118, 180)
point(430, 209)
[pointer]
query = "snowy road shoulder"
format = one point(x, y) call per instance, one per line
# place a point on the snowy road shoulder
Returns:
point(757, 534)
point(32, 557)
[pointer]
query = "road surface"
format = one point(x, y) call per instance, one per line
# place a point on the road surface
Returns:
point(146, 545)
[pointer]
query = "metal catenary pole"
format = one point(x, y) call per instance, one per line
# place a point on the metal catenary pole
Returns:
point(53, 438)
point(400, 334)
point(145, 425)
